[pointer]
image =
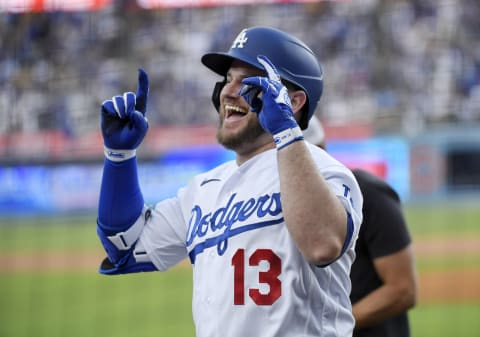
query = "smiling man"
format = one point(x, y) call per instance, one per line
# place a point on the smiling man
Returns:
point(271, 234)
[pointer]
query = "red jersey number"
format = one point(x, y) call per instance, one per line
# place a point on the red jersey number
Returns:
point(269, 277)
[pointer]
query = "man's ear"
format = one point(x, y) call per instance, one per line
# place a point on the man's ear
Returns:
point(298, 98)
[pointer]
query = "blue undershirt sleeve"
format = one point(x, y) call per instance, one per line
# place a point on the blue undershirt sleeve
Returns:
point(121, 200)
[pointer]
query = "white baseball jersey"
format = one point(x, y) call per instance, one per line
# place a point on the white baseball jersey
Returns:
point(249, 278)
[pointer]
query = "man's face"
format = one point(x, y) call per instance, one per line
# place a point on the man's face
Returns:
point(238, 127)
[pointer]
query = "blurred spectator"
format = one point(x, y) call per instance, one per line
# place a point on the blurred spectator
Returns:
point(399, 65)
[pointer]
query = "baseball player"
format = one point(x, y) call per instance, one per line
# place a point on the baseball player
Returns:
point(271, 234)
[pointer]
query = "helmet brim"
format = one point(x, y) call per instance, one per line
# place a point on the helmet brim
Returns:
point(221, 62)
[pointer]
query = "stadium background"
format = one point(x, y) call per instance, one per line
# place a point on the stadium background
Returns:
point(401, 99)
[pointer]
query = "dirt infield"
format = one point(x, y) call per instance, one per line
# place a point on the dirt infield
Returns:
point(454, 284)
point(449, 286)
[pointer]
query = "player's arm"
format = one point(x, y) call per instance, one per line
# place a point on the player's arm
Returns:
point(397, 293)
point(315, 217)
point(121, 212)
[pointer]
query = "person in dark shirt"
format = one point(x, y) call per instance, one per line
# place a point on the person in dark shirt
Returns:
point(383, 274)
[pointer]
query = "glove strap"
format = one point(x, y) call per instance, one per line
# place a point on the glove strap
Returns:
point(287, 137)
point(119, 155)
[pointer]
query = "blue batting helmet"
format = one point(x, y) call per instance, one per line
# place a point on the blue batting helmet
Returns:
point(293, 59)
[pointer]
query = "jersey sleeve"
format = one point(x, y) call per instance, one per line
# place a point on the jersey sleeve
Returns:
point(163, 237)
point(344, 185)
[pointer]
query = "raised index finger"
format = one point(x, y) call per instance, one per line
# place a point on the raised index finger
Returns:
point(142, 92)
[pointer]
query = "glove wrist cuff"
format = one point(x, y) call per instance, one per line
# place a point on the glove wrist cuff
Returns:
point(118, 155)
point(287, 137)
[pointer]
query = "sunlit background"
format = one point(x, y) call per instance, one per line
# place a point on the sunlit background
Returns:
point(401, 100)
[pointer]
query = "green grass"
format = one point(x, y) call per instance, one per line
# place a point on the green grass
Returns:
point(48, 234)
point(86, 304)
point(445, 320)
point(443, 219)
point(151, 304)
point(89, 305)
point(456, 263)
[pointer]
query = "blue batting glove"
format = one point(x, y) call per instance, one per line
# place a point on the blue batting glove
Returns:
point(123, 121)
point(274, 107)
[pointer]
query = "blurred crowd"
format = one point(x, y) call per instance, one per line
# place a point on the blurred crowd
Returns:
point(399, 65)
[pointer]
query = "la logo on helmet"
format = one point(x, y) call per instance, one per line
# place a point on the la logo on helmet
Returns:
point(240, 40)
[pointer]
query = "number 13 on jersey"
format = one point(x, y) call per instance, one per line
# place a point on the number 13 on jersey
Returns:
point(270, 277)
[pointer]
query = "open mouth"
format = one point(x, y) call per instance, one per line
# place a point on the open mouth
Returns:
point(234, 112)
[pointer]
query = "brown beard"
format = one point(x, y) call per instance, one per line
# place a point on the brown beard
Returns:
point(247, 135)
